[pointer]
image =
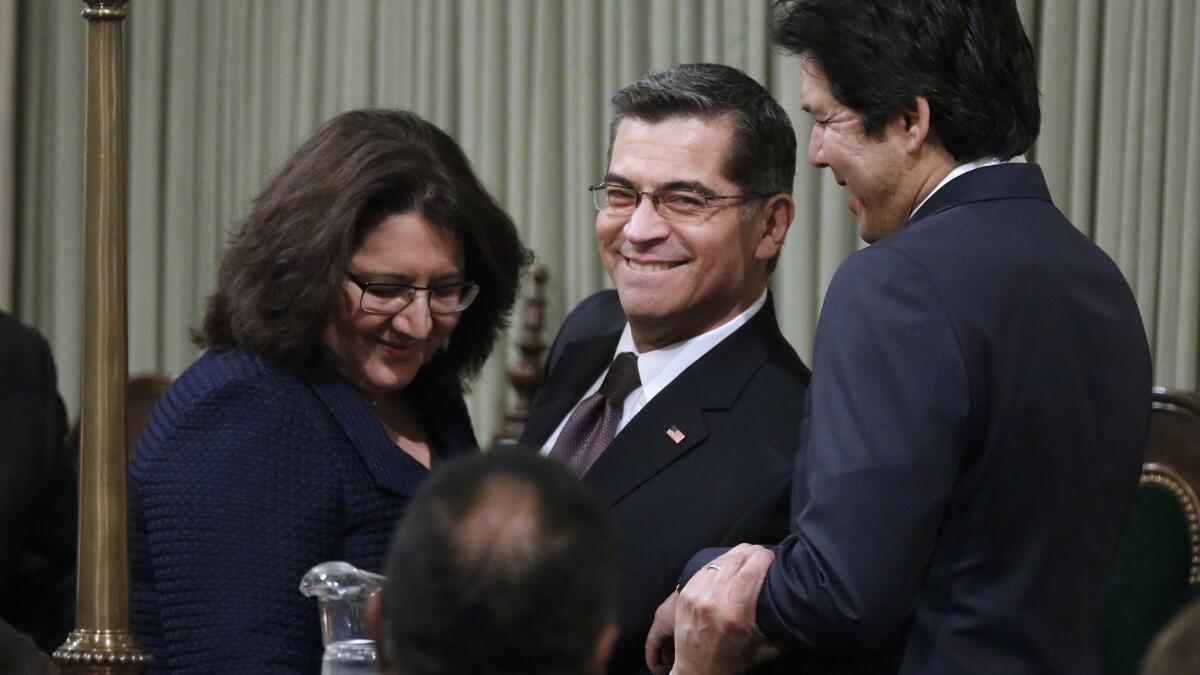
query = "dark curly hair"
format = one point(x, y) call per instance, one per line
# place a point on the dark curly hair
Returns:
point(970, 59)
point(280, 278)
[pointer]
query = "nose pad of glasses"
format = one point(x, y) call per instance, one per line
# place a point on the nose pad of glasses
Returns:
point(646, 223)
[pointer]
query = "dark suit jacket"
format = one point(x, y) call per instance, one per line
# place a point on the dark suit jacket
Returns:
point(726, 482)
point(37, 491)
point(972, 443)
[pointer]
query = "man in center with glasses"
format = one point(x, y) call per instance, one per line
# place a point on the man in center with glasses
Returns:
point(674, 397)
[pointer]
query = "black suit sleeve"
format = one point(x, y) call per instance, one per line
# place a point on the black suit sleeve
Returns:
point(769, 509)
point(38, 502)
point(879, 456)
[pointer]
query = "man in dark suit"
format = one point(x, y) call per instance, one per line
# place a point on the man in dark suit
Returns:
point(981, 378)
point(688, 438)
point(37, 493)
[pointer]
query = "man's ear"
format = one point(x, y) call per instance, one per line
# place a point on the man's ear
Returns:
point(598, 664)
point(780, 209)
point(913, 125)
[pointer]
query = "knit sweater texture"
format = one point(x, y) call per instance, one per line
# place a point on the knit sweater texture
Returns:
point(244, 478)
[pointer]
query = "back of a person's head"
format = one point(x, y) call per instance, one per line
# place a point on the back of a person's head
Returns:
point(1176, 649)
point(503, 564)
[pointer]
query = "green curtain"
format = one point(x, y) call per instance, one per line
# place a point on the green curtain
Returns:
point(222, 90)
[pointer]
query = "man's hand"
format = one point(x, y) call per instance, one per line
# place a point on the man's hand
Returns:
point(660, 642)
point(715, 630)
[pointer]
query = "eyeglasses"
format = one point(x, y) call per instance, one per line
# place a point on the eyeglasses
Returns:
point(675, 204)
point(394, 298)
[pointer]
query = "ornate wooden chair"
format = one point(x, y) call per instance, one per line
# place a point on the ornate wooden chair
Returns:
point(1157, 569)
point(526, 375)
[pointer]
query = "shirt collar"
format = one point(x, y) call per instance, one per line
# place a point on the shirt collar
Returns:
point(657, 368)
point(960, 170)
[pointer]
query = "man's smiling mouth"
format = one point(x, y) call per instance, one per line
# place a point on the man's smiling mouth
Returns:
point(650, 266)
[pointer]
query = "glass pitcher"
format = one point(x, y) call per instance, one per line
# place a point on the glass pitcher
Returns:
point(342, 591)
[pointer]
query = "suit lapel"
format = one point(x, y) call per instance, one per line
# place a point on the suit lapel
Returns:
point(709, 386)
point(575, 370)
point(643, 448)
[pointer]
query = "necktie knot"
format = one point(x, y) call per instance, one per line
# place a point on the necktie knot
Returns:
point(593, 424)
point(621, 379)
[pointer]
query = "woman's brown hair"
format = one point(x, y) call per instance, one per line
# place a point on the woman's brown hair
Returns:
point(281, 276)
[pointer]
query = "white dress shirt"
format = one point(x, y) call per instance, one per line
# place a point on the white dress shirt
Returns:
point(960, 170)
point(658, 368)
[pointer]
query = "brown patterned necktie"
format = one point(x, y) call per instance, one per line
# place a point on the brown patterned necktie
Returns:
point(593, 423)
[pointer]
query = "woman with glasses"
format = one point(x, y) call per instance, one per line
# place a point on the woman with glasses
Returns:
point(372, 276)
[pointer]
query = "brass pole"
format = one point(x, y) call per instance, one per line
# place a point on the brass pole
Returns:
point(103, 640)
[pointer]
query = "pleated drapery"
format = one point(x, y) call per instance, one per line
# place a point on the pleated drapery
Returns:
point(222, 91)
point(8, 149)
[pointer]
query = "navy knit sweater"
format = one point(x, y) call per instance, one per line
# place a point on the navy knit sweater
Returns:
point(244, 478)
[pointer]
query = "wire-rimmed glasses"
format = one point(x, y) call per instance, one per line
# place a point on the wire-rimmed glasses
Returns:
point(394, 298)
point(675, 204)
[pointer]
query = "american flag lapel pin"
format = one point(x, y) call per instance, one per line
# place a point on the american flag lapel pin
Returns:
point(675, 434)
